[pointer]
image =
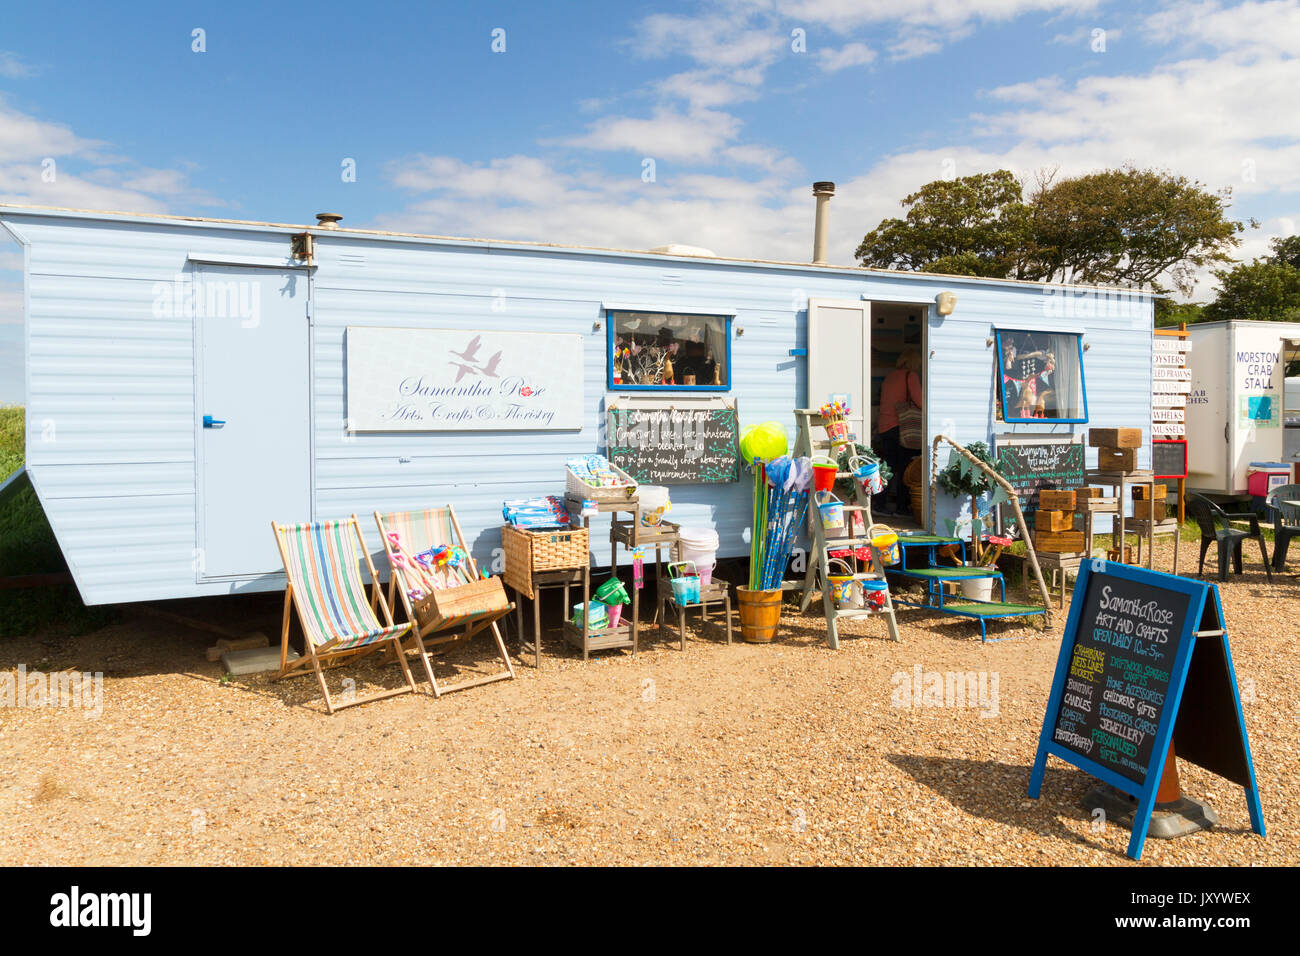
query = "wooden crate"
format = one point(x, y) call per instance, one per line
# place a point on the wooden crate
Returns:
point(1087, 491)
point(1115, 437)
point(1149, 510)
point(1097, 506)
point(1054, 520)
point(1052, 499)
point(1058, 542)
point(1140, 491)
point(1113, 555)
point(1116, 459)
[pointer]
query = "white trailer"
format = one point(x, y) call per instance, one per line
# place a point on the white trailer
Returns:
point(1235, 410)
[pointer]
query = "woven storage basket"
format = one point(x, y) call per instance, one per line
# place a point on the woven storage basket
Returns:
point(912, 482)
point(477, 597)
point(529, 551)
point(575, 487)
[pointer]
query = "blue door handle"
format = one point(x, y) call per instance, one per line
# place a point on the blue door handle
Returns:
point(210, 422)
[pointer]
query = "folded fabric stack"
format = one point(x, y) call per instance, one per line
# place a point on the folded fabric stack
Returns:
point(542, 512)
point(596, 471)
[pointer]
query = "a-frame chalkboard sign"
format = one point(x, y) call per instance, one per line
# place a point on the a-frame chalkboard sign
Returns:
point(1144, 661)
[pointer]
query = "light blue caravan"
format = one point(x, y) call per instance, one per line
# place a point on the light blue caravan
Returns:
point(186, 378)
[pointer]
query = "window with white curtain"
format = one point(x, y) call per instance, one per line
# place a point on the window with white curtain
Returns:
point(663, 350)
point(1040, 376)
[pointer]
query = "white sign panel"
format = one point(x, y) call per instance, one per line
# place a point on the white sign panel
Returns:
point(452, 380)
point(1168, 400)
point(1171, 387)
point(1167, 344)
point(1168, 430)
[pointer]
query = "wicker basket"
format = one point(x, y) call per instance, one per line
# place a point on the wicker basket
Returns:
point(575, 487)
point(477, 597)
point(913, 483)
point(529, 551)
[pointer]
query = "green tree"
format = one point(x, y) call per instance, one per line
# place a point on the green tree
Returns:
point(975, 225)
point(1267, 289)
point(1129, 227)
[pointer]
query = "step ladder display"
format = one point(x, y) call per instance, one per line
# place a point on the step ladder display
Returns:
point(808, 443)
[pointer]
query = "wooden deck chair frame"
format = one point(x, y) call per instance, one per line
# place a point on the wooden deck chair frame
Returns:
point(326, 655)
point(433, 632)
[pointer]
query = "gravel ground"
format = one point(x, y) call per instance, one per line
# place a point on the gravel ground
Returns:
point(787, 753)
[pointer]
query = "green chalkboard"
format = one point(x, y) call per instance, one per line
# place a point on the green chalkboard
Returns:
point(1030, 465)
point(662, 444)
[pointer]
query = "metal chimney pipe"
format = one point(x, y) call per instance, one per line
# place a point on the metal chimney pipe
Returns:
point(823, 192)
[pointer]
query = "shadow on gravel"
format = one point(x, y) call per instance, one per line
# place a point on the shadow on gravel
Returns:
point(996, 791)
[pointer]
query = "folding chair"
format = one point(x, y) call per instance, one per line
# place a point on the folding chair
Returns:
point(450, 606)
point(339, 624)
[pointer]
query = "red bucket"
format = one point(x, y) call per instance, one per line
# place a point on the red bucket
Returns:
point(824, 475)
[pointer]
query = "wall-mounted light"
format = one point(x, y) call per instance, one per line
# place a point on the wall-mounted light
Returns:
point(988, 342)
point(595, 326)
point(740, 330)
point(947, 301)
point(1086, 346)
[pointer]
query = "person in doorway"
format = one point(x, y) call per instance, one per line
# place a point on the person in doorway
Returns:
point(901, 385)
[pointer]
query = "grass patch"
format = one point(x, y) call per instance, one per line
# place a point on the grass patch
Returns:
point(27, 546)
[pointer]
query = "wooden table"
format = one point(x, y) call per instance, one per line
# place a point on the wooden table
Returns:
point(1121, 480)
point(557, 578)
point(627, 533)
point(715, 592)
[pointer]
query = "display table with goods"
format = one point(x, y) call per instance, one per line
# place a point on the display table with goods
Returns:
point(1123, 483)
point(689, 589)
point(545, 559)
point(594, 625)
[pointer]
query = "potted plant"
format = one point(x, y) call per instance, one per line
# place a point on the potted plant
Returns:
point(961, 478)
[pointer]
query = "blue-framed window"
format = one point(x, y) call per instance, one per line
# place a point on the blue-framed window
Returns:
point(668, 351)
point(1040, 376)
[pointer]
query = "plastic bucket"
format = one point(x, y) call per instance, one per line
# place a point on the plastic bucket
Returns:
point(700, 546)
point(654, 504)
point(838, 432)
point(977, 589)
point(868, 474)
point(832, 512)
point(887, 545)
point(611, 592)
point(874, 592)
point(597, 617)
point(615, 613)
point(824, 471)
point(760, 614)
point(686, 590)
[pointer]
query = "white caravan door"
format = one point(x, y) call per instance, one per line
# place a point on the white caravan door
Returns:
point(254, 414)
point(839, 359)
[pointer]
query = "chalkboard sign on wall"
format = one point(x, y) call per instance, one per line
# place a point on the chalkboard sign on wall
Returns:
point(1169, 457)
point(1033, 462)
point(1145, 657)
point(661, 443)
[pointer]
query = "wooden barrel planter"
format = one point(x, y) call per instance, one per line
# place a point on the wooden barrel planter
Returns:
point(760, 613)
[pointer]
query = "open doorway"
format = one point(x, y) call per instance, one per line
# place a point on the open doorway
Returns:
point(898, 376)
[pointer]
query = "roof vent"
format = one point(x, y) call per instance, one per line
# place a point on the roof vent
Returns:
point(678, 249)
point(328, 220)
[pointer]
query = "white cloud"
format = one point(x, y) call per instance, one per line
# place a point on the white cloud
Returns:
point(46, 163)
point(1272, 26)
point(851, 54)
point(669, 134)
point(12, 67)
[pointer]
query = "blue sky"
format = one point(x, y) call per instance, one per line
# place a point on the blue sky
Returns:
point(740, 104)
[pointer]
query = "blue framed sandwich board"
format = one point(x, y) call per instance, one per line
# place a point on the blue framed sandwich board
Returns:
point(1145, 661)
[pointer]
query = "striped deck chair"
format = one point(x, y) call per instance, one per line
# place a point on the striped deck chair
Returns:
point(409, 533)
point(322, 561)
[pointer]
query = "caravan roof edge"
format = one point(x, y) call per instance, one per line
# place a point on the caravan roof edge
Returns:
point(532, 245)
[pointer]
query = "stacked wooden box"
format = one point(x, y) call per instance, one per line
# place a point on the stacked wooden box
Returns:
point(1145, 509)
point(1116, 447)
point(1054, 527)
